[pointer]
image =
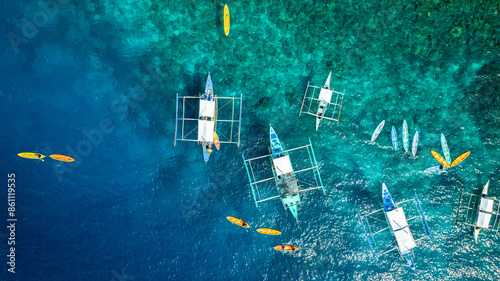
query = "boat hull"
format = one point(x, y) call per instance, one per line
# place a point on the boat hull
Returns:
point(440, 159)
point(406, 142)
point(206, 153)
point(446, 149)
point(460, 158)
point(31, 155)
point(62, 158)
point(414, 144)
point(227, 20)
point(323, 102)
point(268, 231)
point(433, 169)
point(287, 248)
point(321, 112)
point(409, 259)
point(238, 221)
point(216, 141)
point(387, 199)
point(284, 176)
point(394, 138)
point(484, 214)
point(378, 130)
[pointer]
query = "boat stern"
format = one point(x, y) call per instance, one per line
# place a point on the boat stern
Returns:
point(206, 154)
point(291, 202)
point(409, 258)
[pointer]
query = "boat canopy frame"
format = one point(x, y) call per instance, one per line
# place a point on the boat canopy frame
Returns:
point(181, 121)
point(255, 183)
point(370, 236)
point(315, 91)
point(469, 212)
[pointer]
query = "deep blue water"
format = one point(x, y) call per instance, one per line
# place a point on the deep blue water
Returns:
point(97, 80)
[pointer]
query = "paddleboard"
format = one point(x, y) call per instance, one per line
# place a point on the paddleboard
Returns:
point(394, 138)
point(286, 248)
point(406, 142)
point(63, 158)
point(268, 231)
point(440, 159)
point(238, 222)
point(226, 20)
point(216, 141)
point(433, 169)
point(378, 130)
point(414, 144)
point(446, 150)
point(460, 158)
point(31, 155)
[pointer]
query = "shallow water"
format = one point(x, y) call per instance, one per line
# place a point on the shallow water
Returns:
point(97, 80)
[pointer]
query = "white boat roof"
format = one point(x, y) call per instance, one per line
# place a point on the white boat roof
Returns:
point(207, 108)
point(483, 219)
point(325, 95)
point(399, 225)
point(283, 165)
point(206, 130)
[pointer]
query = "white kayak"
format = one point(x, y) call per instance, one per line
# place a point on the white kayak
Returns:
point(378, 130)
point(446, 149)
point(414, 144)
point(406, 141)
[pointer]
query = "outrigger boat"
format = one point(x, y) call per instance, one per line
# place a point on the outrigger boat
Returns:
point(209, 116)
point(397, 224)
point(482, 208)
point(324, 100)
point(285, 177)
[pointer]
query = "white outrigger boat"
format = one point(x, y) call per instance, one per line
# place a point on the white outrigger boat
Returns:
point(482, 209)
point(324, 101)
point(286, 180)
point(206, 122)
point(397, 224)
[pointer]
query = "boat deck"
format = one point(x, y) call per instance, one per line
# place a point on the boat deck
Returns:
point(401, 229)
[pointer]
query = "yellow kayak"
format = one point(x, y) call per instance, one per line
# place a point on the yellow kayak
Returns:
point(286, 248)
point(226, 20)
point(440, 159)
point(31, 155)
point(268, 231)
point(460, 158)
point(61, 157)
point(216, 141)
point(238, 222)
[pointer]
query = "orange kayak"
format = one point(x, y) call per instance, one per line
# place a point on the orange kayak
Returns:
point(216, 141)
point(63, 158)
point(440, 159)
point(31, 155)
point(268, 231)
point(286, 248)
point(460, 158)
point(238, 222)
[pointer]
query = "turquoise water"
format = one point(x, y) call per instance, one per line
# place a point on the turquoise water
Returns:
point(135, 207)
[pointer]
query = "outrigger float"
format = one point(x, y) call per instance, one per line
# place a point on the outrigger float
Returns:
point(324, 101)
point(286, 181)
point(398, 226)
point(209, 118)
point(479, 211)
